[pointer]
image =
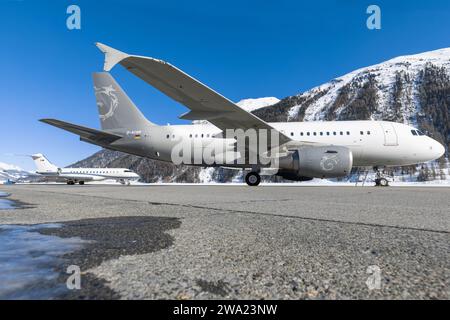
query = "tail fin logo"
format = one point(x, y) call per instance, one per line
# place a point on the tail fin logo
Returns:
point(107, 101)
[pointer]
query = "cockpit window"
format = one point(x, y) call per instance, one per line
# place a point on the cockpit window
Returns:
point(417, 133)
point(127, 171)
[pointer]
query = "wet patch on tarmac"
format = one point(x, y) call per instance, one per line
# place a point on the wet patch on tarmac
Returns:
point(28, 260)
point(109, 238)
point(10, 204)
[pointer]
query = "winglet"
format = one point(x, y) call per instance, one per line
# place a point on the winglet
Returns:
point(112, 56)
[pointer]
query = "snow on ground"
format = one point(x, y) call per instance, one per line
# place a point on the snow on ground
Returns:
point(206, 175)
point(312, 183)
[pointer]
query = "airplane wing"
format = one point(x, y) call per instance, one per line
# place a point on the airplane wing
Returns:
point(203, 102)
point(100, 137)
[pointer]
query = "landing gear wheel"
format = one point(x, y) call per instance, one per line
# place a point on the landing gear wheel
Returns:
point(70, 182)
point(381, 182)
point(252, 179)
point(81, 182)
point(384, 182)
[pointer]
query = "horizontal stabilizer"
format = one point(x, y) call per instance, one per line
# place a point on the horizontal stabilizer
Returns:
point(93, 135)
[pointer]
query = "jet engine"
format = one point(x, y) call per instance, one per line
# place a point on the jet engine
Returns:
point(310, 162)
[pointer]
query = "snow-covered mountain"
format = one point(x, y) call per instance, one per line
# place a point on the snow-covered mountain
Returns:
point(411, 89)
point(254, 104)
point(13, 173)
point(397, 85)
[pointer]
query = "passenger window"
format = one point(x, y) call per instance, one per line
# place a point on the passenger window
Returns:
point(196, 135)
point(314, 133)
point(368, 132)
point(414, 132)
point(292, 134)
point(301, 133)
point(334, 133)
point(321, 133)
point(361, 132)
point(348, 133)
point(207, 135)
point(328, 133)
point(307, 133)
point(190, 136)
point(202, 135)
point(168, 136)
point(342, 133)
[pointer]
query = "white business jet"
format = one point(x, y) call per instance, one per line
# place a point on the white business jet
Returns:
point(81, 175)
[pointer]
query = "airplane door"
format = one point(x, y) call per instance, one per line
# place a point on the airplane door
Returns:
point(390, 135)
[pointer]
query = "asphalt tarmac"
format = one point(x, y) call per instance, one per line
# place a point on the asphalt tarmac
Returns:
point(238, 242)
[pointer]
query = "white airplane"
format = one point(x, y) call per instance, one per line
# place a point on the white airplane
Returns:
point(293, 150)
point(81, 175)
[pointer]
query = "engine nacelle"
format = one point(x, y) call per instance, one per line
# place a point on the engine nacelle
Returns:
point(316, 162)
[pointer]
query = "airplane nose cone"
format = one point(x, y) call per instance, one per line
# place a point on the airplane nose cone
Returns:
point(439, 148)
point(436, 149)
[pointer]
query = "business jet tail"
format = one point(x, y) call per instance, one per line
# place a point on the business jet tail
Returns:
point(116, 110)
point(42, 164)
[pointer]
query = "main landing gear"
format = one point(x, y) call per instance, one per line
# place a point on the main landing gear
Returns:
point(124, 182)
point(71, 182)
point(380, 180)
point(253, 179)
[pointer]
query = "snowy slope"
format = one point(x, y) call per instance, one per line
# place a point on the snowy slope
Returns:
point(12, 173)
point(254, 104)
point(404, 69)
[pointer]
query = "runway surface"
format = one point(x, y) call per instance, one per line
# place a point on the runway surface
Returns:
point(237, 242)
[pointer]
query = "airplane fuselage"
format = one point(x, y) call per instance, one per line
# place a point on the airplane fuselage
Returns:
point(372, 143)
point(97, 174)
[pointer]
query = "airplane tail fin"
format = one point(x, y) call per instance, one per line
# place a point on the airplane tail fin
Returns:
point(42, 164)
point(115, 108)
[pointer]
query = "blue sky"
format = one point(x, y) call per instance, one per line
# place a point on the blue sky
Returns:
point(242, 49)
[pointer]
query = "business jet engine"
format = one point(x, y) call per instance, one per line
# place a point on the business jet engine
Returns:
point(310, 162)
